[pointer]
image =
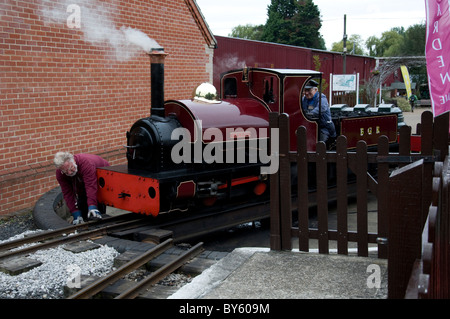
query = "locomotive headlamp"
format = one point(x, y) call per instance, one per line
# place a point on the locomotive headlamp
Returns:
point(206, 92)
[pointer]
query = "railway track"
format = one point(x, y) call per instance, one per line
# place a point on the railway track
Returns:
point(107, 226)
point(126, 226)
point(153, 278)
point(48, 239)
point(182, 227)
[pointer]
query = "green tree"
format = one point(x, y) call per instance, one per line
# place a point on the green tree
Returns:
point(248, 31)
point(399, 42)
point(391, 43)
point(278, 24)
point(414, 40)
point(354, 45)
point(317, 67)
point(373, 45)
point(294, 22)
point(286, 8)
point(414, 45)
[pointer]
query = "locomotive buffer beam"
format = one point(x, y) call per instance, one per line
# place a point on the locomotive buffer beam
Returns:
point(124, 195)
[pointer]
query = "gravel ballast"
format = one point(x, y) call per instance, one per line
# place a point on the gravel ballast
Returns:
point(58, 268)
point(16, 225)
point(58, 265)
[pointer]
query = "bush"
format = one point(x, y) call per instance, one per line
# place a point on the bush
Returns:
point(403, 104)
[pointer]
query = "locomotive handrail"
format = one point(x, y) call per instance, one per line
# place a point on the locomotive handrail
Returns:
point(373, 157)
point(401, 159)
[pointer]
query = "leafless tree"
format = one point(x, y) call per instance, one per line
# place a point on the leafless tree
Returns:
point(387, 66)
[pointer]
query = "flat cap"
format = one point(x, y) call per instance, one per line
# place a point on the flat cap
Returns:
point(311, 84)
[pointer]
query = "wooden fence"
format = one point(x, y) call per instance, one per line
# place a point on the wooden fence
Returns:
point(434, 145)
point(429, 257)
point(340, 97)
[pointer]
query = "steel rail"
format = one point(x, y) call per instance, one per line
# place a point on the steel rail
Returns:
point(58, 232)
point(130, 266)
point(67, 239)
point(202, 224)
point(161, 273)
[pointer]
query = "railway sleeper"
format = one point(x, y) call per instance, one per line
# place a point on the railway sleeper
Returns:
point(17, 265)
point(80, 246)
point(156, 292)
point(192, 268)
point(145, 234)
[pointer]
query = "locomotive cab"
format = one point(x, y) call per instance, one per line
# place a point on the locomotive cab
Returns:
point(278, 90)
point(281, 91)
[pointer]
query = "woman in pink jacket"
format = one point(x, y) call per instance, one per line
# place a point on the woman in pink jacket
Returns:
point(77, 176)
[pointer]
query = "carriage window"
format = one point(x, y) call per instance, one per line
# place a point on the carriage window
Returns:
point(230, 87)
point(268, 90)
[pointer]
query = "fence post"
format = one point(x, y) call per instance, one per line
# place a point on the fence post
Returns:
point(342, 194)
point(427, 147)
point(440, 134)
point(445, 227)
point(383, 198)
point(302, 190)
point(275, 229)
point(322, 196)
point(405, 226)
point(285, 183)
point(361, 201)
point(405, 142)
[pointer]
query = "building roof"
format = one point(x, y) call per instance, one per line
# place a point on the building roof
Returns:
point(400, 86)
point(201, 22)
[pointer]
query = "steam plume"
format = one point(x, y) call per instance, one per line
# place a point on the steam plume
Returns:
point(98, 28)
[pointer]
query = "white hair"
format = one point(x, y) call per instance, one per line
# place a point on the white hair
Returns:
point(61, 158)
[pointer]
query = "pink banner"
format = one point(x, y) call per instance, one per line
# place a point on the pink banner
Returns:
point(437, 54)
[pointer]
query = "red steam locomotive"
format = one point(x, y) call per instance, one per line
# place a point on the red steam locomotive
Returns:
point(192, 153)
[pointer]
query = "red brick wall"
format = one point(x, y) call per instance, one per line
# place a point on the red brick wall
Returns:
point(61, 92)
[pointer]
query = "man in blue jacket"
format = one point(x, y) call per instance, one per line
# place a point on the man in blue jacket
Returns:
point(310, 106)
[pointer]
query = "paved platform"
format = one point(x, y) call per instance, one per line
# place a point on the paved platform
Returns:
point(258, 273)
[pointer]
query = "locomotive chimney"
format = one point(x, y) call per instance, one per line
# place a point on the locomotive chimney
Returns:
point(157, 57)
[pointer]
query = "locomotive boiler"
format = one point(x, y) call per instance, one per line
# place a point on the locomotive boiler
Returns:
point(218, 148)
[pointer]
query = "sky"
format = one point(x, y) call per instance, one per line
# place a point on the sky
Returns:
point(364, 17)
